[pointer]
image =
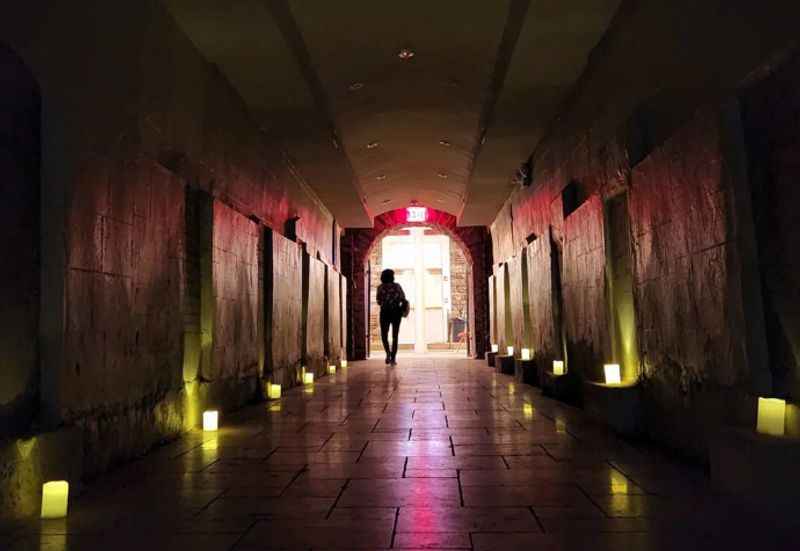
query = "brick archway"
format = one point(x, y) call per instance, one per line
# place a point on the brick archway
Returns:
point(357, 244)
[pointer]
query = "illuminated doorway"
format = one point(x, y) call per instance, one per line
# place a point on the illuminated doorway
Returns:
point(433, 271)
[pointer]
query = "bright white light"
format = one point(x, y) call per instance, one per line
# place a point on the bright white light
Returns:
point(612, 374)
point(210, 420)
point(416, 214)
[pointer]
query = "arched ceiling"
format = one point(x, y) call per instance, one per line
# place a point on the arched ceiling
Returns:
point(372, 132)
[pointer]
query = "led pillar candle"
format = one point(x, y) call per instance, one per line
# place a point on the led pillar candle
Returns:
point(331, 370)
point(308, 378)
point(771, 416)
point(274, 392)
point(495, 348)
point(526, 353)
point(527, 411)
point(558, 367)
point(510, 350)
point(210, 420)
point(55, 497)
point(612, 374)
point(561, 426)
point(343, 363)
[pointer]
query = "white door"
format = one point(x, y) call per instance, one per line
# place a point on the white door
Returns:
point(399, 255)
point(436, 250)
point(422, 267)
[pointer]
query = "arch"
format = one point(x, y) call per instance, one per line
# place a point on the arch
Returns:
point(359, 242)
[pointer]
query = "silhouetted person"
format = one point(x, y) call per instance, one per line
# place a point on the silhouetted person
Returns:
point(392, 301)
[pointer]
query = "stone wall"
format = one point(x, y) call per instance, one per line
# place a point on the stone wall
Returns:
point(19, 245)
point(459, 286)
point(157, 189)
point(671, 149)
point(314, 314)
point(771, 109)
point(283, 309)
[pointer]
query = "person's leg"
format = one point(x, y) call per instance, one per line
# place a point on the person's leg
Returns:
point(395, 334)
point(385, 322)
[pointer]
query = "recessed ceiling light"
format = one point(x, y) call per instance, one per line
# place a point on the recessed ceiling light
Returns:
point(442, 175)
point(444, 142)
point(373, 145)
point(405, 53)
point(380, 177)
point(355, 86)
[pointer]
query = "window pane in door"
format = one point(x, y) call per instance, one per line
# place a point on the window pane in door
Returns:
point(433, 289)
point(433, 254)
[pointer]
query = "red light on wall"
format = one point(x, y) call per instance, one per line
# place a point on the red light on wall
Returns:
point(416, 214)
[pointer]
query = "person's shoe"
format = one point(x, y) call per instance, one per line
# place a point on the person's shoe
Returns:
point(388, 360)
point(394, 362)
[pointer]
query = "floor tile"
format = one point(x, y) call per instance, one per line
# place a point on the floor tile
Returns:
point(434, 454)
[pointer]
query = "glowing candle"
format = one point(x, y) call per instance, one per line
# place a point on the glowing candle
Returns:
point(771, 416)
point(210, 420)
point(308, 378)
point(527, 411)
point(526, 353)
point(558, 367)
point(511, 388)
point(274, 392)
point(343, 363)
point(55, 497)
point(510, 350)
point(331, 370)
point(612, 374)
point(495, 347)
point(561, 426)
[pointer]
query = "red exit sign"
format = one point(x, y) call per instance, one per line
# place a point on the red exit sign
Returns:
point(416, 214)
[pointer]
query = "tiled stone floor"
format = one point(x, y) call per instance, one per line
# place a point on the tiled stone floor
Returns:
point(434, 454)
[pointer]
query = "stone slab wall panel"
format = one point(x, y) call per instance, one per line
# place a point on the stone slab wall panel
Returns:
point(237, 296)
point(333, 312)
point(518, 306)
point(20, 122)
point(585, 314)
point(771, 111)
point(545, 335)
point(284, 308)
point(313, 314)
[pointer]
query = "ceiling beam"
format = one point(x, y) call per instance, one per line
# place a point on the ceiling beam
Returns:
point(517, 10)
point(287, 24)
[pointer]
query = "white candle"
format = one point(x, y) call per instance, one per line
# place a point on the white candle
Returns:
point(612, 374)
point(210, 420)
point(526, 353)
point(558, 367)
point(771, 416)
point(55, 499)
point(510, 350)
point(495, 348)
